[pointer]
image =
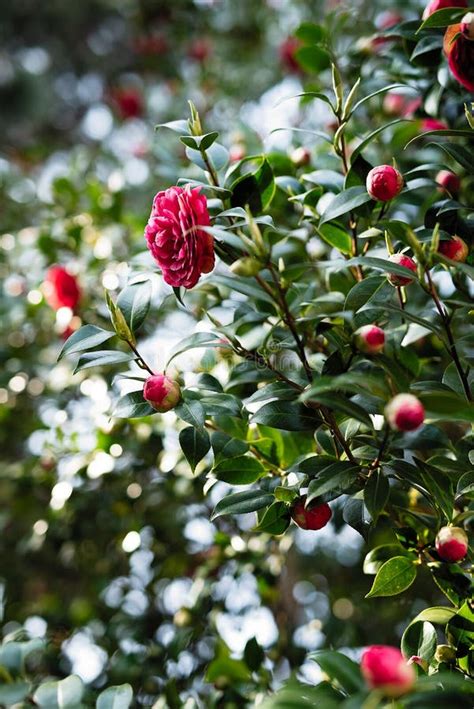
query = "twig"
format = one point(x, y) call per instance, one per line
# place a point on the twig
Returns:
point(140, 361)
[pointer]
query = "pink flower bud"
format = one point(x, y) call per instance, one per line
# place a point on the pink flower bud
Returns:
point(404, 412)
point(315, 516)
point(406, 262)
point(301, 156)
point(287, 51)
point(385, 668)
point(467, 25)
point(455, 248)
point(61, 288)
point(449, 181)
point(436, 5)
point(451, 544)
point(384, 183)
point(161, 392)
point(369, 339)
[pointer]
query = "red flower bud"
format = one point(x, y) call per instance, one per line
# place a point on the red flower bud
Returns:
point(449, 181)
point(315, 516)
point(406, 262)
point(404, 412)
point(436, 5)
point(129, 103)
point(161, 392)
point(369, 339)
point(385, 668)
point(61, 289)
point(181, 249)
point(384, 183)
point(301, 156)
point(396, 104)
point(200, 50)
point(451, 544)
point(455, 248)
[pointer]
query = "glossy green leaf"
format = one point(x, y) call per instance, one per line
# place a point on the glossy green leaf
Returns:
point(240, 503)
point(393, 577)
point(117, 697)
point(65, 694)
point(195, 444)
point(86, 338)
point(241, 470)
point(134, 302)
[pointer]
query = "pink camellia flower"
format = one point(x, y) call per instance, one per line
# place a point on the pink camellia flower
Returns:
point(428, 124)
point(237, 152)
point(451, 544)
point(161, 392)
point(449, 181)
point(61, 288)
point(404, 412)
point(315, 516)
point(467, 25)
point(287, 52)
point(455, 248)
point(301, 156)
point(436, 5)
point(181, 249)
point(385, 668)
point(369, 339)
point(384, 182)
point(406, 262)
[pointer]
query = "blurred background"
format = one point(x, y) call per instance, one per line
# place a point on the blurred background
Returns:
point(106, 549)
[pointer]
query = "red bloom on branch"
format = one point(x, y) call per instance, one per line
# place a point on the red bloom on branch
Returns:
point(180, 247)
point(61, 288)
point(384, 182)
point(385, 668)
point(314, 516)
point(433, 124)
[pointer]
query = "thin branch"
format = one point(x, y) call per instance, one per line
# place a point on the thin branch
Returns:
point(140, 361)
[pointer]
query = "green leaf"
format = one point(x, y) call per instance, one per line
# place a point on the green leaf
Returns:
point(337, 237)
point(436, 614)
point(275, 520)
point(460, 629)
point(446, 405)
point(253, 655)
point(337, 478)
point(379, 555)
point(134, 302)
point(465, 485)
point(393, 577)
point(180, 127)
point(287, 416)
point(85, 338)
point(442, 18)
point(420, 639)
point(338, 402)
point(310, 33)
point(246, 286)
point(345, 202)
point(383, 90)
point(192, 412)
point(225, 668)
point(117, 697)
point(340, 668)
point(255, 189)
point(376, 493)
point(240, 503)
point(196, 341)
point(225, 447)
point(65, 694)
point(459, 153)
point(133, 405)
point(102, 358)
point(195, 444)
point(199, 142)
point(241, 470)
point(370, 137)
point(313, 59)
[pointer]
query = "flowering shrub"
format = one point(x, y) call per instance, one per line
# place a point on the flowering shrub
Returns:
point(325, 383)
point(297, 412)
